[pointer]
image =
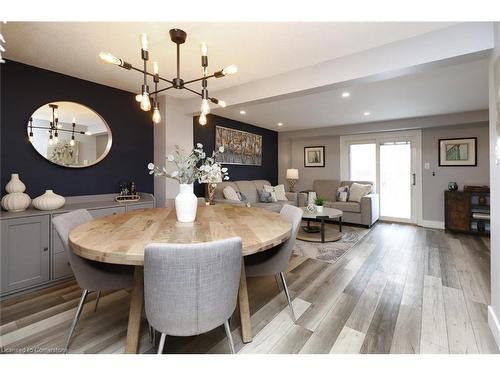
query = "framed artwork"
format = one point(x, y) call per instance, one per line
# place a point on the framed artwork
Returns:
point(458, 152)
point(240, 147)
point(314, 156)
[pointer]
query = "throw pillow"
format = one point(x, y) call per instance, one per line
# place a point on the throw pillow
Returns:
point(343, 194)
point(230, 194)
point(264, 196)
point(358, 191)
point(242, 197)
point(278, 190)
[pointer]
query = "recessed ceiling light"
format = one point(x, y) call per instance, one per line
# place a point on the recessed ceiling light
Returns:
point(280, 124)
point(242, 112)
point(346, 94)
point(367, 113)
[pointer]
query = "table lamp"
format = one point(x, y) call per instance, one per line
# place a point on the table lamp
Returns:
point(292, 175)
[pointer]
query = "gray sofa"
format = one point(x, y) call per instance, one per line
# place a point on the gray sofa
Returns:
point(365, 212)
point(249, 189)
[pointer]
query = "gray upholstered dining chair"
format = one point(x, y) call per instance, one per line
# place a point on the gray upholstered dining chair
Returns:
point(90, 276)
point(190, 289)
point(275, 261)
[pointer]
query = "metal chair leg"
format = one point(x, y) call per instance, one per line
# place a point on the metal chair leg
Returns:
point(229, 336)
point(97, 300)
point(162, 343)
point(75, 319)
point(288, 296)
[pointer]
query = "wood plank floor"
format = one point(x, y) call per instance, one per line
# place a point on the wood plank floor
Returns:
point(402, 289)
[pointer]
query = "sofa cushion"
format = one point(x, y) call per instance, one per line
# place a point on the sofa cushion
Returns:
point(345, 206)
point(220, 188)
point(230, 193)
point(249, 189)
point(279, 192)
point(264, 196)
point(326, 189)
point(358, 191)
point(349, 183)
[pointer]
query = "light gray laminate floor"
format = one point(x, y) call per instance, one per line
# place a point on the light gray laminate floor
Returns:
point(402, 289)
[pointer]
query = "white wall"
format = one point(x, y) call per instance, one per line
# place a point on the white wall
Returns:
point(494, 308)
point(176, 128)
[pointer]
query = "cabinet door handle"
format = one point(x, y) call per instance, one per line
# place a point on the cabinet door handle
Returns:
point(45, 249)
point(414, 176)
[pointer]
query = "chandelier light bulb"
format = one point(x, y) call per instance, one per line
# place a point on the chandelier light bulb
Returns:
point(72, 142)
point(205, 107)
point(156, 116)
point(88, 133)
point(144, 41)
point(51, 141)
point(138, 98)
point(30, 138)
point(204, 49)
point(56, 115)
point(202, 120)
point(222, 103)
point(56, 139)
point(145, 102)
point(231, 69)
point(109, 58)
point(155, 67)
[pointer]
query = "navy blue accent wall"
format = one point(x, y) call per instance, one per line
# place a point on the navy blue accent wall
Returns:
point(24, 88)
point(269, 169)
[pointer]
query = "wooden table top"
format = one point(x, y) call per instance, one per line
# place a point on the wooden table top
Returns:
point(121, 238)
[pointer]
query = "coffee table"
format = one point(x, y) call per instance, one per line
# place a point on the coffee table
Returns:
point(310, 232)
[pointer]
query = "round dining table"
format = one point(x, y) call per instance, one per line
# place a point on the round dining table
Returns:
point(121, 239)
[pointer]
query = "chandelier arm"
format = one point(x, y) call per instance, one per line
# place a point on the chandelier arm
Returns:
point(194, 92)
point(150, 74)
point(161, 90)
point(60, 130)
point(199, 79)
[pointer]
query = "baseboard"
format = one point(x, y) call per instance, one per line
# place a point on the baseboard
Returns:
point(433, 224)
point(494, 325)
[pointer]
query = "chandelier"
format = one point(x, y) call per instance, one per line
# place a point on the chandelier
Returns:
point(178, 37)
point(55, 127)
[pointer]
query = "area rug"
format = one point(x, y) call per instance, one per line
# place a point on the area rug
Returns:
point(331, 252)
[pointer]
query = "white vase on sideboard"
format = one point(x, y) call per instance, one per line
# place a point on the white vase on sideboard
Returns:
point(186, 204)
point(16, 200)
point(49, 201)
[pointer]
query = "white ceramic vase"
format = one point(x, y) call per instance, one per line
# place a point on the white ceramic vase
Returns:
point(15, 185)
point(49, 201)
point(319, 209)
point(186, 204)
point(16, 200)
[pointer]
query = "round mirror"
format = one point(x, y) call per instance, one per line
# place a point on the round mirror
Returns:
point(69, 134)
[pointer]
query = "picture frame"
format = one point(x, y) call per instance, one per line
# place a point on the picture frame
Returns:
point(240, 147)
point(457, 152)
point(314, 156)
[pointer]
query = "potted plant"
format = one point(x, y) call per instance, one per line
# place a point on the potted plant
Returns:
point(189, 168)
point(319, 202)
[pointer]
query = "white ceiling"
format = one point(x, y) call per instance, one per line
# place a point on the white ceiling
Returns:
point(258, 49)
point(450, 89)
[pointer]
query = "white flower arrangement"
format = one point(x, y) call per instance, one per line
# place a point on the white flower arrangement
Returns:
point(188, 171)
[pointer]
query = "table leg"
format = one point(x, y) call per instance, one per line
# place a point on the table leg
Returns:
point(246, 325)
point(135, 312)
point(340, 224)
point(322, 231)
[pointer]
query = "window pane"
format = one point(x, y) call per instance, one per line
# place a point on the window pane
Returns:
point(363, 162)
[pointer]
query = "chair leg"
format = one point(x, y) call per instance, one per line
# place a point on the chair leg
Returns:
point(288, 296)
point(229, 336)
point(75, 319)
point(152, 334)
point(97, 300)
point(162, 343)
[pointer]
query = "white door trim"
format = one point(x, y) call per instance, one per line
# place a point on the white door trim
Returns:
point(347, 140)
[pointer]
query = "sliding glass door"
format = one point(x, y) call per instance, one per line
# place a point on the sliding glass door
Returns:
point(391, 161)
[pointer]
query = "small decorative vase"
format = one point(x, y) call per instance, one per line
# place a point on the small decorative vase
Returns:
point(16, 200)
point(186, 204)
point(319, 209)
point(211, 191)
point(482, 200)
point(15, 185)
point(452, 186)
point(49, 201)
